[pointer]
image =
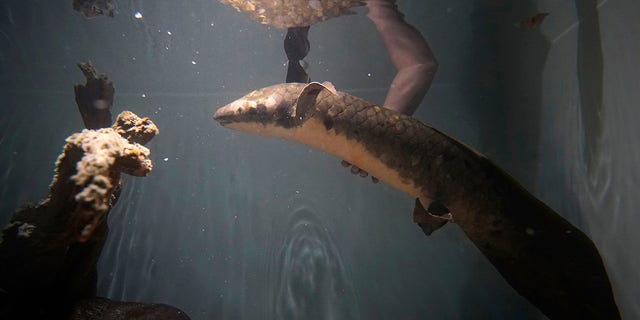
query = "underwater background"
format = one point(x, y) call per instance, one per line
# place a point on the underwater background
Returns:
point(231, 226)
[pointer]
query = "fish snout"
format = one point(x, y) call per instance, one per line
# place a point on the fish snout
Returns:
point(224, 115)
point(257, 107)
point(237, 111)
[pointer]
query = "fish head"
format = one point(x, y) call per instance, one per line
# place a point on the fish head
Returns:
point(283, 106)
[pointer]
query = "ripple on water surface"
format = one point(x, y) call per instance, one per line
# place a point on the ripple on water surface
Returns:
point(310, 280)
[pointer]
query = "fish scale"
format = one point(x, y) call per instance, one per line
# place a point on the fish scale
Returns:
point(538, 252)
point(292, 13)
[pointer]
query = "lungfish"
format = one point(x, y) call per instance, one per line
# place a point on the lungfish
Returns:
point(293, 13)
point(538, 252)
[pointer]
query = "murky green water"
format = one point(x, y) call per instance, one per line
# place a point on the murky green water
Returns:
point(230, 226)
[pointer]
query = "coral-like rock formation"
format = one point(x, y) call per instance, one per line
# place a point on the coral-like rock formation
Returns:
point(48, 252)
point(90, 166)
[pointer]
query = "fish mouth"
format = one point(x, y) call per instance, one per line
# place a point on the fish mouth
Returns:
point(224, 122)
point(224, 115)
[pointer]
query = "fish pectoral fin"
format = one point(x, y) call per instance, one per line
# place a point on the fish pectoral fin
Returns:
point(306, 102)
point(329, 86)
point(430, 222)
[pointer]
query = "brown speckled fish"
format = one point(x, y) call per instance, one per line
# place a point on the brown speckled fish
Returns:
point(292, 13)
point(542, 256)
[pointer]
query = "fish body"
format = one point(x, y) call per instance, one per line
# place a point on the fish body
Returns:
point(540, 254)
point(292, 13)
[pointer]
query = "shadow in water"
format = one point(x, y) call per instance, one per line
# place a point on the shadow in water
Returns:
point(590, 80)
point(522, 53)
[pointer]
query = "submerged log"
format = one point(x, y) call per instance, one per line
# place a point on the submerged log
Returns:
point(49, 251)
point(105, 309)
point(95, 98)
